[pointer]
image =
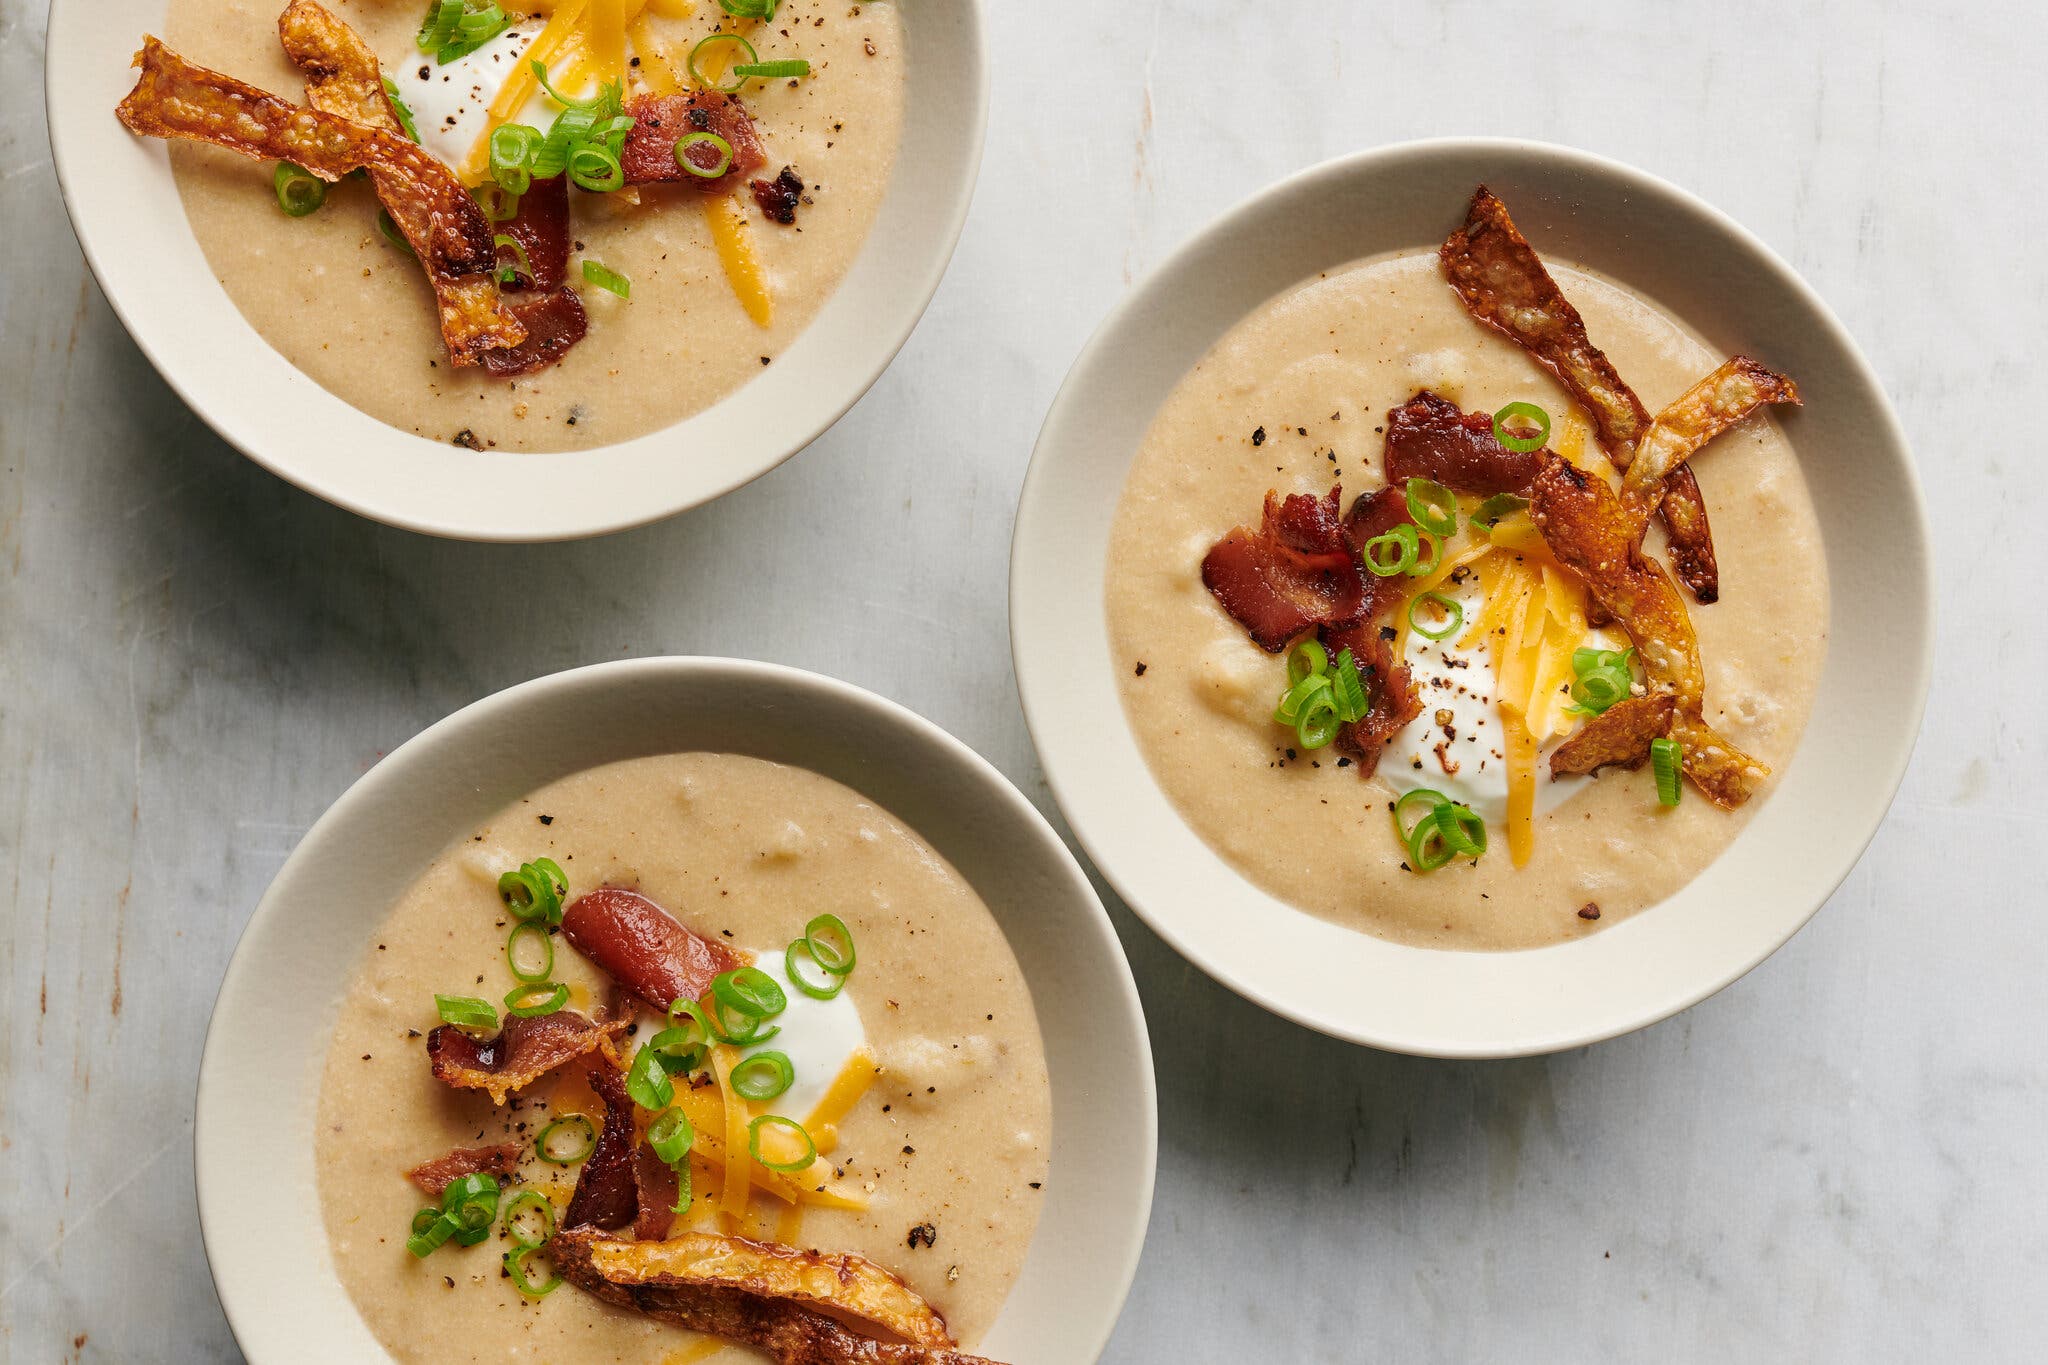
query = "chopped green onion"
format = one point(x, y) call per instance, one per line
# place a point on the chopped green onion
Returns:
point(831, 943)
point(513, 147)
point(1348, 688)
point(1318, 722)
point(1667, 760)
point(1494, 508)
point(535, 891)
point(531, 1000)
point(472, 31)
point(299, 191)
point(546, 967)
point(546, 1149)
point(1393, 552)
point(782, 1125)
point(499, 204)
point(1601, 678)
point(737, 81)
point(1427, 850)
point(604, 103)
point(519, 1203)
point(677, 1041)
point(647, 1081)
point(680, 1052)
point(605, 278)
point(391, 232)
point(442, 16)
point(430, 1229)
point(1421, 568)
point(750, 9)
point(1426, 796)
point(510, 274)
point(515, 1267)
point(749, 990)
point(824, 989)
point(718, 145)
point(770, 71)
point(595, 168)
point(472, 1202)
point(1433, 507)
point(1453, 614)
point(1306, 659)
point(1297, 697)
point(1461, 828)
point(747, 1031)
point(401, 108)
point(1445, 831)
point(671, 1136)
point(466, 1011)
point(763, 1076)
point(1521, 441)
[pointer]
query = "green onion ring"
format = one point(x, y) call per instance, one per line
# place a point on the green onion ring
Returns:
point(1667, 759)
point(440, 25)
point(1527, 412)
point(1427, 850)
point(762, 1076)
point(647, 1081)
point(749, 990)
point(391, 233)
point(465, 1011)
point(1488, 513)
point(1428, 796)
point(817, 990)
point(299, 191)
point(1300, 695)
point(598, 101)
point(744, 1034)
point(1306, 659)
point(1318, 723)
point(543, 1145)
point(1454, 618)
point(680, 1052)
point(786, 1125)
point(1461, 829)
point(1433, 507)
point(596, 169)
point(535, 890)
point(836, 958)
point(1348, 688)
point(532, 1000)
point(671, 1136)
point(686, 1014)
point(515, 1267)
point(546, 968)
point(430, 1228)
point(499, 204)
point(773, 71)
point(1406, 542)
point(520, 1201)
point(401, 108)
point(689, 140)
point(1422, 568)
point(606, 278)
point(738, 81)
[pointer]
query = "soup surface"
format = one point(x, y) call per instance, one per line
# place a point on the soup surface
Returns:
point(355, 314)
point(1295, 397)
point(952, 1139)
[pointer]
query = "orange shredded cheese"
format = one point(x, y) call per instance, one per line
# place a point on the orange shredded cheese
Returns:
point(739, 1186)
point(743, 269)
point(605, 29)
point(520, 86)
point(658, 60)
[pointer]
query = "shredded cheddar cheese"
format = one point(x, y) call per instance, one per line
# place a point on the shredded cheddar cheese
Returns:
point(739, 1186)
point(743, 269)
point(519, 87)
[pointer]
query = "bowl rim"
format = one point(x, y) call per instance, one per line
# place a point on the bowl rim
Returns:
point(1116, 1233)
point(812, 388)
point(1038, 695)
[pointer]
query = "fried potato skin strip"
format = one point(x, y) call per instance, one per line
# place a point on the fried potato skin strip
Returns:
point(344, 79)
point(1503, 284)
point(1582, 521)
point(1619, 736)
point(1732, 392)
point(788, 1331)
point(176, 98)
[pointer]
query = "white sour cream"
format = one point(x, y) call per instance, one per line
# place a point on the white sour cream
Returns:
point(450, 104)
point(818, 1036)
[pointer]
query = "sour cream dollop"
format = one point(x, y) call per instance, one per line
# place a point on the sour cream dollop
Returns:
point(818, 1036)
point(450, 104)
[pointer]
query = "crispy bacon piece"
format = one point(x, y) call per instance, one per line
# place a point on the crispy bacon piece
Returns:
point(1432, 438)
point(1392, 701)
point(763, 1295)
point(655, 1189)
point(1732, 392)
point(1619, 736)
point(779, 197)
point(1582, 521)
point(1295, 572)
point(660, 121)
point(554, 322)
point(437, 1175)
point(541, 227)
point(607, 1192)
point(524, 1050)
point(1504, 285)
point(445, 227)
point(643, 947)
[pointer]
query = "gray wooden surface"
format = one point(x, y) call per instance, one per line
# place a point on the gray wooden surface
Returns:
point(1838, 1158)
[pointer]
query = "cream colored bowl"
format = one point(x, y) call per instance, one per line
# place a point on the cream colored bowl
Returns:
point(260, 1075)
point(131, 224)
point(1780, 869)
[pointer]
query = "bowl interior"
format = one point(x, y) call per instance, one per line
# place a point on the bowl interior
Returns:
point(1705, 270)
point(132, 226)
point(268, 1039)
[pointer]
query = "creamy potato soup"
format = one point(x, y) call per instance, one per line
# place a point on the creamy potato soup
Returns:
point(945, 1148)
point(1297, 397)
point(717, 289)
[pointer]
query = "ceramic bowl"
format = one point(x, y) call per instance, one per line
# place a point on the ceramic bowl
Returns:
point(260, 1075)
point(1784, 864)
point(131, 223)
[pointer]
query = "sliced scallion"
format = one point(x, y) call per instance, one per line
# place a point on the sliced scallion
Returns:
point(1433, 507)
point(647, 1081)
point(582, 1140)
point(697, 51)
point(1392, 552)
point(763, 1075)
point(689, 160)
point(531, 1000)
point(537, 969)
point(465, 1011)
point(831, 943)
point(787, 1129)
point(816, 982)
point(1521, 427)
point(1451, 616)
point(772, 71)
point(1667, 761)
point(605, 278)
point(299, 191)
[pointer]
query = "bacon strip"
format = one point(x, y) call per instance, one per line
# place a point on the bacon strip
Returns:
point(1432, 438)
point(523, 1052)
point(1583, 522)
point(1732, 392)
point(1504, 285)
point(763, 1295)
point(541, 227)
point(446, 229)
point(655, 1190)
point(643, 947)
point(554, 322)
point(437, 1175)
point(1619, 736)
point(1296, 572)
point(1392, 700)
point(607, 1194)
point(660, 121)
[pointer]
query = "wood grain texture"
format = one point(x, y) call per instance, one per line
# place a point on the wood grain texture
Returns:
point(1837, 1158)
